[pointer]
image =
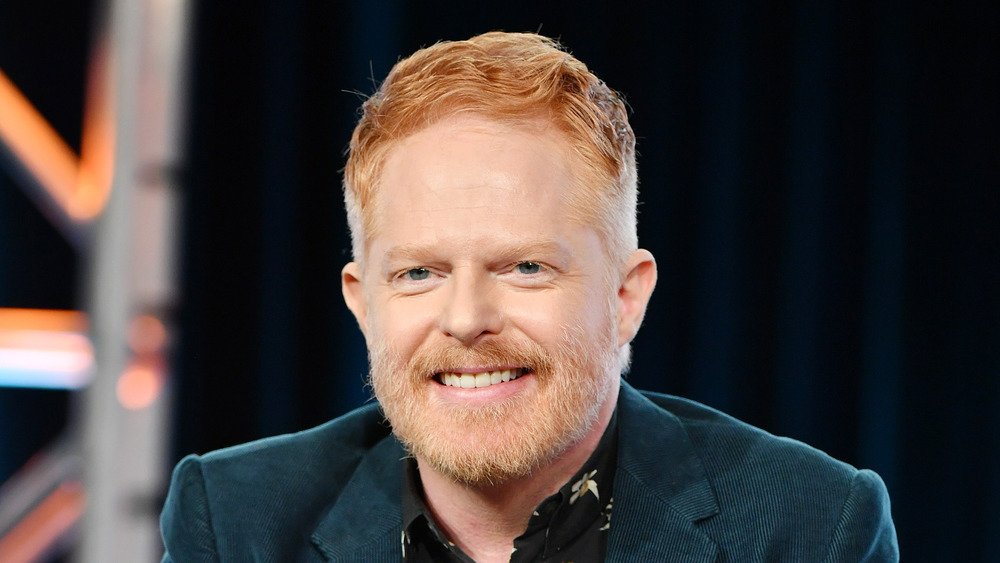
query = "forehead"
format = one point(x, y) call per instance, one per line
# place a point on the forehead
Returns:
point(464, 162)
point(471, 153)
point(468, 177)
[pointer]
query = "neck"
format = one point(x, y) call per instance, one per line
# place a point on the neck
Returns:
point(484, 520)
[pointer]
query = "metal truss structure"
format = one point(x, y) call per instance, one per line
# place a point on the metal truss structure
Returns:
point(96, 491)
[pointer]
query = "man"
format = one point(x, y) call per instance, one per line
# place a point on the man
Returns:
point(491, 195)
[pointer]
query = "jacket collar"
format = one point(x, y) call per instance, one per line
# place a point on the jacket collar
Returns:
point(661, 488)
point(364, 523)
point(661, 493)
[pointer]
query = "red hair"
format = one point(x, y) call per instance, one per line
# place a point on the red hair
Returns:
point(510, 78)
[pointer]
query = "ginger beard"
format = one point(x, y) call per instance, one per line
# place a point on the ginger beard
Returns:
point(490, 445)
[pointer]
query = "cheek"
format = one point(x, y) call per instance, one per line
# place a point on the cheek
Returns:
point(544, 319)
point(402, 324)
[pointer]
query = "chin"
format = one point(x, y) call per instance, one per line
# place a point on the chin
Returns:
point(497, 442)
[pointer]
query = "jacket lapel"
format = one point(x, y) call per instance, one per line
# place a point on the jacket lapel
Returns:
point(365, 523)
point(661, 493)
point(661, 488)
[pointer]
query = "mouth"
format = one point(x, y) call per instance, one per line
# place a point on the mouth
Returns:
point(481, 379)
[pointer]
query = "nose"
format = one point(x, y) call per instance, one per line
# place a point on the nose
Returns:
point(471, 310)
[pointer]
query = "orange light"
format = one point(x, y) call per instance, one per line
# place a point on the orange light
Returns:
point(79, 186)
point(140, 385)
point(36, 144)
point(44, 349)
point(97, 146)
point(43, 319)
point(147, 335)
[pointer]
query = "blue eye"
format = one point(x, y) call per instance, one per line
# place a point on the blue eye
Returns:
point(417, 274)
point(529, 268)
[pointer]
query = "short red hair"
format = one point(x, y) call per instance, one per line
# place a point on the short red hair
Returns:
point(510, 78)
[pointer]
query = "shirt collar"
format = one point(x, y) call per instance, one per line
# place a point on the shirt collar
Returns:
point(560, 519)
point(586, 497)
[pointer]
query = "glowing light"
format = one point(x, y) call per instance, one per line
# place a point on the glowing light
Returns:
point(97, 143)
point(43, 319)
point(45, 349)
point(147, 335)
point(140, 385)
point(78, 186)
point(36, 144)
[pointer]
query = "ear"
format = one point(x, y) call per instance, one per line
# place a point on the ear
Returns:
point(633, 295)
point(354, 294)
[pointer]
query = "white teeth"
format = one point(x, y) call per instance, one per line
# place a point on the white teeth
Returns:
point(484, 379)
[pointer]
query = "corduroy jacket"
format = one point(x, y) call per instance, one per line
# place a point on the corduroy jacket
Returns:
point(692, 485)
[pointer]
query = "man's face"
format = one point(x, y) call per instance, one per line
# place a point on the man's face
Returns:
point(492, 330)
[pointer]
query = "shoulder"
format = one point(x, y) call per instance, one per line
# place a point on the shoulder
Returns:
point(339, 442)
point(320, 459)
point(731, 448)
point(765, 492)
point(268, 492)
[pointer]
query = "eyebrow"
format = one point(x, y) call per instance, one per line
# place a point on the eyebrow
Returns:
point(517, 250)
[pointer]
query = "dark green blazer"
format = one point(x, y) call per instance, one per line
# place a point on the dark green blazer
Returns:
point(692, 485)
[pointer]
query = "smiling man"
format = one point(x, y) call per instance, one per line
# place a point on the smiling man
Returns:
point(491, 193)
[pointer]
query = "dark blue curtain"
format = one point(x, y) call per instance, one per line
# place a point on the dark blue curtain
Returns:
point(818, 184)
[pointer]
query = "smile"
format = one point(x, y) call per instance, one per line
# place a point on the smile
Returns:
point(483, 379)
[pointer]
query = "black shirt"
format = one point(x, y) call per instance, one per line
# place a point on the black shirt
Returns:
point(569, 526)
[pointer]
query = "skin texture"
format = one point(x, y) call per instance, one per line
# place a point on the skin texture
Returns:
point(476, 266)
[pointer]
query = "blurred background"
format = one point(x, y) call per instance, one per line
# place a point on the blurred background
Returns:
point(819, 185)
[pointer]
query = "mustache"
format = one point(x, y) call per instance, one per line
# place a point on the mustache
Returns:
point(487, 354)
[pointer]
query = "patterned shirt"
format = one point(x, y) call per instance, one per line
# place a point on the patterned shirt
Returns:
point(569, 526)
